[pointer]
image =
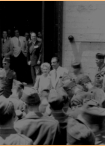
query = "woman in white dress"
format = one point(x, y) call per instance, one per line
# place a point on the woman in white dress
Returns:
point(43, 81)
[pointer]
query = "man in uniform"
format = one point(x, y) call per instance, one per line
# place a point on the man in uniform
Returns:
point(7, 82)
point(97, 93)
point(77, 71)
point(43, 130)
point(58, 100)
point(8, 135)
point(99, 77)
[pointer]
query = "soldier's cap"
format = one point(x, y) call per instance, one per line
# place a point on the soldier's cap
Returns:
point(57, 97)
point(95, 110)
point(78, 133)
point(100, 56)
point(84, 79)
point(6, 107)
point(70, 85)
point(76, 65)
point(30, 97)
point(6, 60)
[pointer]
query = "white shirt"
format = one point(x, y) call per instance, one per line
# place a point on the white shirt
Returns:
point(15, 45)
point(60, 73)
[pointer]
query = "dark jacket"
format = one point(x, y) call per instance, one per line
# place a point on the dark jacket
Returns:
point(42, 130)
point(11, 137)
point(34, 51)
point(7, 84)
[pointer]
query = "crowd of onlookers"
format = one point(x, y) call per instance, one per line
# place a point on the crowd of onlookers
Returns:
point(59, 108)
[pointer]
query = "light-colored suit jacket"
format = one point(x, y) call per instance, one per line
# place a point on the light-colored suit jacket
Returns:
point(56, 83)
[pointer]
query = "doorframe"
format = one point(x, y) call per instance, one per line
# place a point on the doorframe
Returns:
point(58, 26)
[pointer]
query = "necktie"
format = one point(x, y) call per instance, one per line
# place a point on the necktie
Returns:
point(55, 74)
point(19, 44)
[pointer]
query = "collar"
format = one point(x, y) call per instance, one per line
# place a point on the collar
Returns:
point(57, 68)
point(33, 115)
point(6, 132)
point(100, 68)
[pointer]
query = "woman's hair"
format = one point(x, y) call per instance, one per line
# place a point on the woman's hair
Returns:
point(47, 65)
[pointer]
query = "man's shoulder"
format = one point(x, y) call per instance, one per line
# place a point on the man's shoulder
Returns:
point(18, 139)
point(77, 126)
point(43, 121)
point(63, 69)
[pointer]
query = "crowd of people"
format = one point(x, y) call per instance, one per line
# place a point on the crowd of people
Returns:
point(60, 108)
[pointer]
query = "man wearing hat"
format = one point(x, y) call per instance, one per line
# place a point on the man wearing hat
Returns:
point(8, 135)
point(99, 77)
point(93, 117)
point(77, 70)
point(58, 100)
point(97, 93)
point(78, 133)
point(8, 80)
point(43, 130)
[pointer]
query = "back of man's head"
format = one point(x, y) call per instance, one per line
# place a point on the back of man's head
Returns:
point(57, 99)
point(7, 111)
point(30, 97)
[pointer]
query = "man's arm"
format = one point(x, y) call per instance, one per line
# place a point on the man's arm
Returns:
point(11, 49)
point(28, 54)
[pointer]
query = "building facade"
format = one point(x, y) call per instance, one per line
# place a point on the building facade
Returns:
point(85, 21)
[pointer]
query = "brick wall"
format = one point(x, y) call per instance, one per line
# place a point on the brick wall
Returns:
point(86, 22)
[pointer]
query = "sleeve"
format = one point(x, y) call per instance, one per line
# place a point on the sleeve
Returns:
point(28, 54)
point(103, 86)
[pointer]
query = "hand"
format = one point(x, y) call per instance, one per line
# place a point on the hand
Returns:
point(29, 62)
point(35, 47)
point(38, 62)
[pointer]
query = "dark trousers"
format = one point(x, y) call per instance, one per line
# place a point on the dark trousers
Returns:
point(19, 65)
point(33, 74)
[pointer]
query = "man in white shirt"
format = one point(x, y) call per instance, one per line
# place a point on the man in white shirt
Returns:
point(57, 73)
point(19, 59)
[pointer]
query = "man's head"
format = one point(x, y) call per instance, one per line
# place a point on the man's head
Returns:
point(27, 35)
point(9, 32)
point(76, 67)
point(44, 94)
point(99, 59)
point(39, 34)
point(94, 116)
point(85, 82)
point(4, 34)
point(7, 112)
point(33, 36)
point(6, 63)
point(55, 62)
point(57, 99)
point(17, 33)
point(31, 98)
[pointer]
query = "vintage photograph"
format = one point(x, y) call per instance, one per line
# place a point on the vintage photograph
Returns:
point(52, 73)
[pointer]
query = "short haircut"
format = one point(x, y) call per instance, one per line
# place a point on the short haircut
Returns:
point(4, 31)
point(6, 111)
point(55, 57)
point(32, 33)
